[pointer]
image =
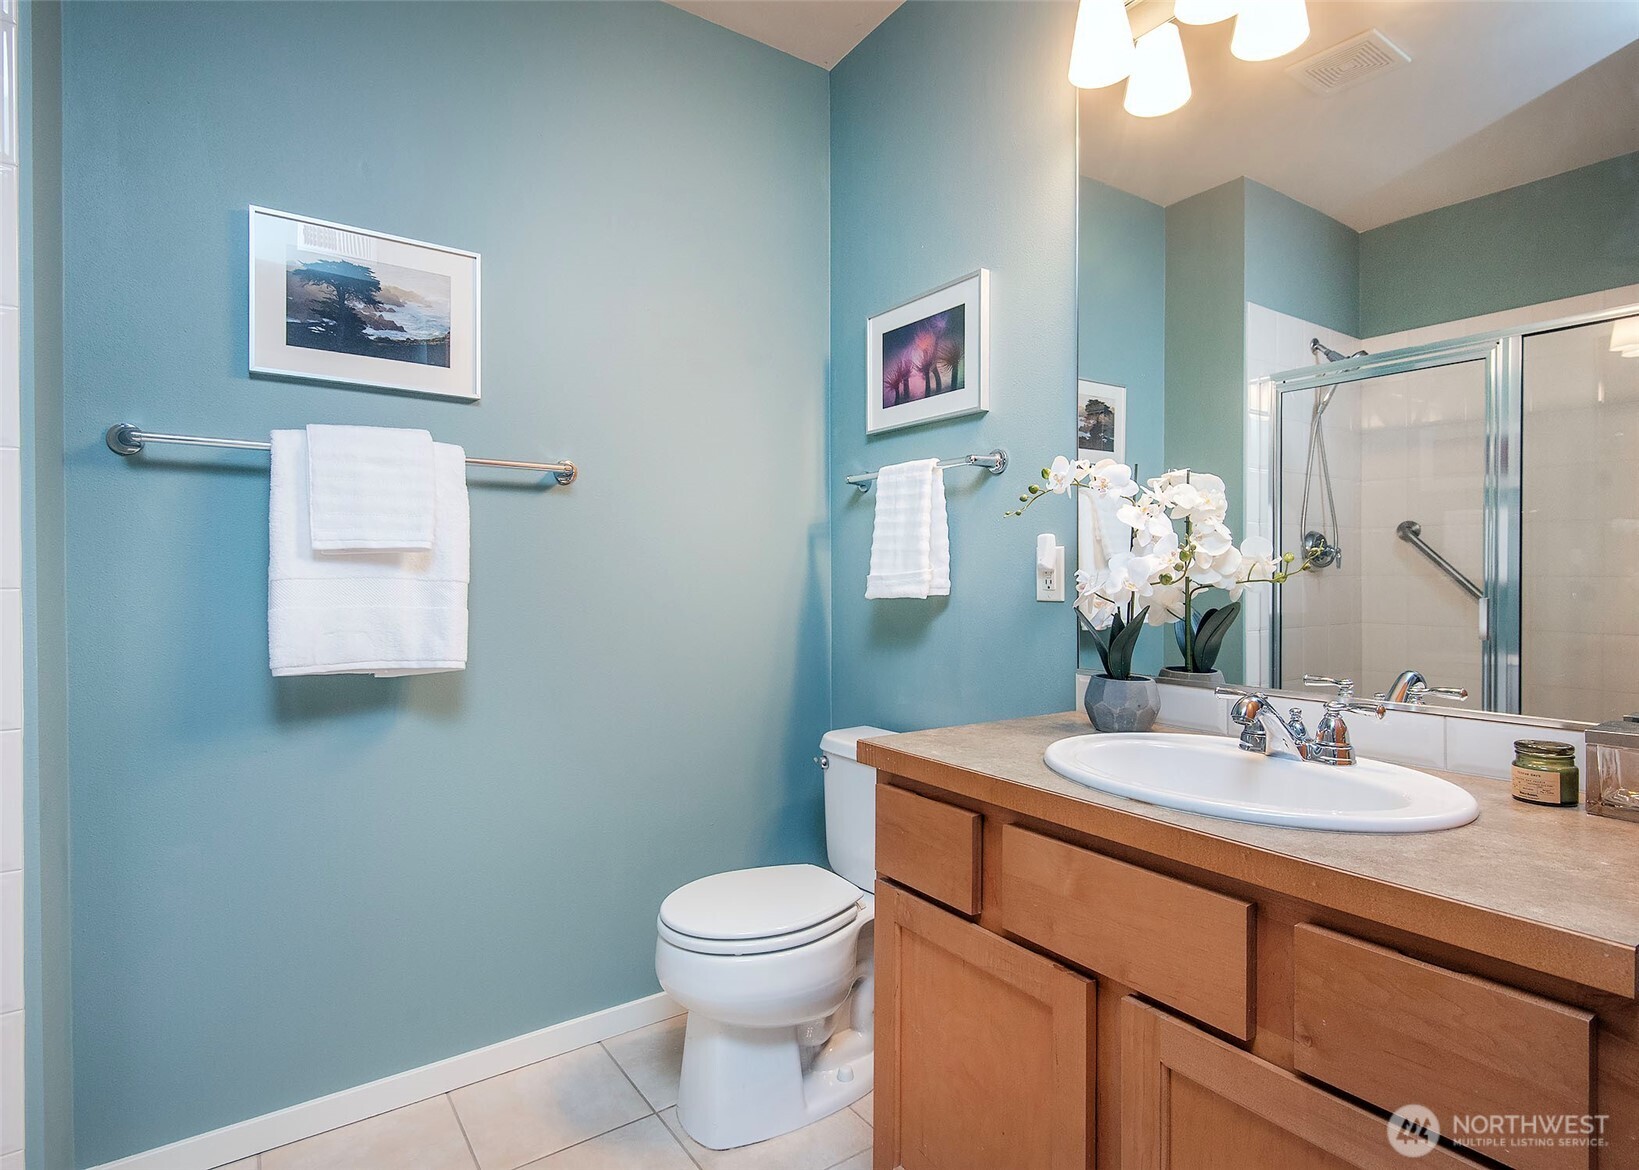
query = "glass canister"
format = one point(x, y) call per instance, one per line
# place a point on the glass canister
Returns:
point(1613, 769)
point(1545, 772)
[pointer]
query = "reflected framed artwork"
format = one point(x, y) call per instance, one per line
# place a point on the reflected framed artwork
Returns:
point(1101, 421)
point(332, 303)
point(929, 358)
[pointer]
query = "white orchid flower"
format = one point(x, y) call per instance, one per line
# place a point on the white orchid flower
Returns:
point(1109, 478)
point(1213, 539)
point(1060, 476)
point(1258, 563)
point(1166, 604)
point(1147, 515)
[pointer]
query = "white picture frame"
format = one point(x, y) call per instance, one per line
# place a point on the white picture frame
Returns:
point(915, 351)
point(410, 316)
point(1101, 435)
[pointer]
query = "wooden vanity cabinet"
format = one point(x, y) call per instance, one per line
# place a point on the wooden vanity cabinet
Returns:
point(984, 1050)
point(1095, 1007)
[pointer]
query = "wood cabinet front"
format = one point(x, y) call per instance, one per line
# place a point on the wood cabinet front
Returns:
point(1190, 1101)
point(930, 846)
point(984, 1050)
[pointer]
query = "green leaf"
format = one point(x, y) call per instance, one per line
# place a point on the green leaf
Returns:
point(1123, 641)
point(1210, 634)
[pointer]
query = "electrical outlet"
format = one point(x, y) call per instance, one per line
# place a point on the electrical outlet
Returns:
point(1050, 580)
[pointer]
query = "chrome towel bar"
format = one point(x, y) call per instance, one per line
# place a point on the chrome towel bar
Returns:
point(1412, 533)
point(995, 463)
point(128, 439)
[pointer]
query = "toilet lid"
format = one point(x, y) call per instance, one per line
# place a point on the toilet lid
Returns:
point(758, 903)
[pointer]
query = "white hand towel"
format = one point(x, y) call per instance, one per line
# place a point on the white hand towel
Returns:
point(381, 613)
point(1100, 533)
point(910, 544)
point(370, 489)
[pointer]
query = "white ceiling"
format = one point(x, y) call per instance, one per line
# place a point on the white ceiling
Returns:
point(1498, 93)
point(820, 32)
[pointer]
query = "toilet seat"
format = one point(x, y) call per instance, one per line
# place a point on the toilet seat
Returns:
point(756, 911)
point(759, 946)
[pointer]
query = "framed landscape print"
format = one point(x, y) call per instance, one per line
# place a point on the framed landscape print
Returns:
point(341, 304)
point(929, 358)
point(1101, 421)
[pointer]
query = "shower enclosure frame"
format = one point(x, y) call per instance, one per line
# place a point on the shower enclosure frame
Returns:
point(1502, 352)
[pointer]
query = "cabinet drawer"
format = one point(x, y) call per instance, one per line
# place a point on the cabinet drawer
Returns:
point(929, 846)
point(1188, 947)
point(1393, 1030)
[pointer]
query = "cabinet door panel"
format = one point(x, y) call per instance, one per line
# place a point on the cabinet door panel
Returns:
point(1190, 1101)
point(984, 1050)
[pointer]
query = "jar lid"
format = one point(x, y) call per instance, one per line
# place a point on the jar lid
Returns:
point(1552, 748)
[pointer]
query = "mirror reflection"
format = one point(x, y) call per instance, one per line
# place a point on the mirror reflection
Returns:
point(1386, 287)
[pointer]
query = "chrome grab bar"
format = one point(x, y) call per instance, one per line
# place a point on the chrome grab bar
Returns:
point(1412, 533)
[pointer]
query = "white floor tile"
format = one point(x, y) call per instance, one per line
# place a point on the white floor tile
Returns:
point(652, 1057)
point(818, 1147)
point(863, 1107)
point(523, 1116)
point(860, 1161)
point(423, 1136)
point(643, 1145)
point(250, 1163)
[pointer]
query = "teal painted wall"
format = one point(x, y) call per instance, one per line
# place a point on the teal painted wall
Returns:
point(287, 887)
point(953, 148)
point(48, 1080)
point(1558, 237)
point(1122, 249)
point(1300, 261)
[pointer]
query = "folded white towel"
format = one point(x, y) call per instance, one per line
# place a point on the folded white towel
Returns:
point(379, 613)
point(1100, 533)
point(370, 489)
point(910, 545)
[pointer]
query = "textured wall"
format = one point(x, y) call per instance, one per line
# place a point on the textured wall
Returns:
point(953, 148)
point(284, 888)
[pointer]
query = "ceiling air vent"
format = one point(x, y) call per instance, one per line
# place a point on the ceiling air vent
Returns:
point(1346, 65)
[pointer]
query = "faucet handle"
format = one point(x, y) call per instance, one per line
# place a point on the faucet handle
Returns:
point(1345, 686)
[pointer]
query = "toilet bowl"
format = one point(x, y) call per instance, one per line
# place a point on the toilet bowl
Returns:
point(774, 966)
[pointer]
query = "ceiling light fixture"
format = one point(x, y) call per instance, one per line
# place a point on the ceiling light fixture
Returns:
point(1160, 79)
point(1625, 337)
point(1205, 11)
point(1103, 51)
point(1266, 29)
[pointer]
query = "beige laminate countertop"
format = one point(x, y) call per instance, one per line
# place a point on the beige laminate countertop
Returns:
point(1552, 889)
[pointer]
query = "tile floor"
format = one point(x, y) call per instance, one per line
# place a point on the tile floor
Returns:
point(609, 1106)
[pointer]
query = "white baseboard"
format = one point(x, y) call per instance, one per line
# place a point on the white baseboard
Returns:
point(241, 1140)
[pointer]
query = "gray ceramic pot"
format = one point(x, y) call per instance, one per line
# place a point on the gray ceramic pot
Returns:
point(1122, 704)
point(1210, 679)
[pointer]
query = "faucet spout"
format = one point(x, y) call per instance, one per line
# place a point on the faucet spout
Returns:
point(1255, 715)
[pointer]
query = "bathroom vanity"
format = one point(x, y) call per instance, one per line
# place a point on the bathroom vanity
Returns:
point(1068, 978)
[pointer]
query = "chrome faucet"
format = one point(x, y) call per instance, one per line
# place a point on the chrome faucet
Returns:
point(1330, 745)
point(1411, 687)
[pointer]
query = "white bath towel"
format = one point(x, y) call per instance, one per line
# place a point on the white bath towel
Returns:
point(369, 489)
point(381, 613)
point(1100, 533)
point(910, 545)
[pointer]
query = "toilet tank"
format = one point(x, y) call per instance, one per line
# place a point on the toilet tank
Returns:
point(850, 805)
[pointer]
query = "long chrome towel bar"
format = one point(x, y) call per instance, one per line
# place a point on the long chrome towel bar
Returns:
point(1412, 533)
point(995, 463)
point(128, 439)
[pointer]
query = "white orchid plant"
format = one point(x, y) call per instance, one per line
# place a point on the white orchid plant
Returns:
point(1161, 575)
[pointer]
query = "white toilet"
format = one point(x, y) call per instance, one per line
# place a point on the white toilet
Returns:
point(774, 966)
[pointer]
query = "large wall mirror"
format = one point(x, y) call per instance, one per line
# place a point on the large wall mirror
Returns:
point(1386, 287)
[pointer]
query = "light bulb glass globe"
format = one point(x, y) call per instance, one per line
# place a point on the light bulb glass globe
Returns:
point(1102, 53)
point(1266, 29)
point(1160, 79)
point(1205, 11)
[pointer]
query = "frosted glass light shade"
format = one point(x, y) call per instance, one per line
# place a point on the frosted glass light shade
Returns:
point(1205, 11)
point(1102, 53)
point(1625, 337)
point(1266, 29)
point(1160, 79)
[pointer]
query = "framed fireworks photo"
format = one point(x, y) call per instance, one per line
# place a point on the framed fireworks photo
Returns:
point(333, 303)
point(929, 358)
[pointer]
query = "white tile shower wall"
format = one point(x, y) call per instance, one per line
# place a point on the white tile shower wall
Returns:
point(1580, 655)
point(1320, 618)
point(11, 617)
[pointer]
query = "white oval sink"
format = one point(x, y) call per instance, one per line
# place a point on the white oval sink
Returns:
point(1212, 775)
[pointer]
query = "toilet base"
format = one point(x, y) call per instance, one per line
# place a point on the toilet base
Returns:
point(742, 1085)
